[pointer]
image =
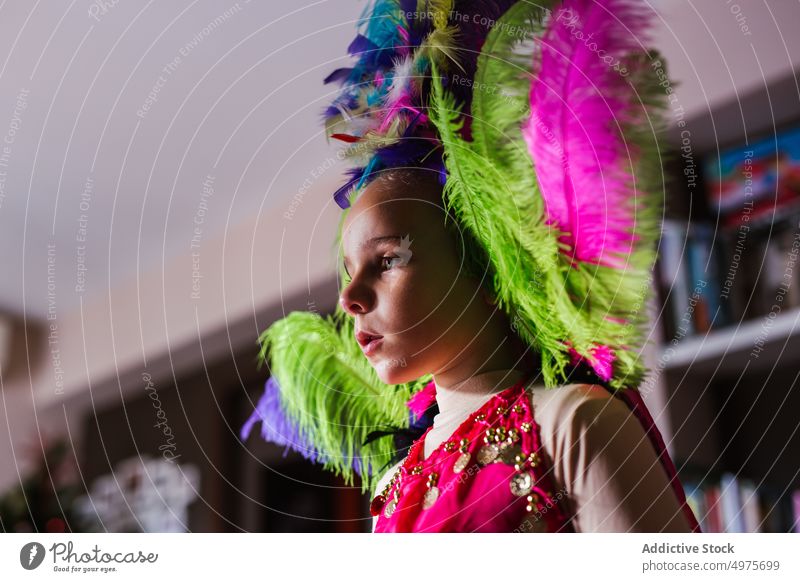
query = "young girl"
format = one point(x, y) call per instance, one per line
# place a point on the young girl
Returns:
point(496, 247)
point(425, 309)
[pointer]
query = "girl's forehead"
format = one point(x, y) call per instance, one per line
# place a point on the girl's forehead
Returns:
point(397, 214)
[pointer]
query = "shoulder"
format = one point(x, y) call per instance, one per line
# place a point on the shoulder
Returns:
point(576, 407)
point(605, 460)
point(584, 426)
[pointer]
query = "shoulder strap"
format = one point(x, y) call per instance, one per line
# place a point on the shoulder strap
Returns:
point(634, 401)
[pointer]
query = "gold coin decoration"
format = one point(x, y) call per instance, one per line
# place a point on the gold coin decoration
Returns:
point(389, 509)
point(431, 495)
point(509, 453)
point(487, 454)
point(521, 483)
point(461, 462)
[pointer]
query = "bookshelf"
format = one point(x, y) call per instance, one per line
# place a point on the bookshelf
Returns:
point(728, 279)
point(704, 351)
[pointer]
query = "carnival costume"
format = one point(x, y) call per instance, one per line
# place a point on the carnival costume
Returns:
point(542, 120)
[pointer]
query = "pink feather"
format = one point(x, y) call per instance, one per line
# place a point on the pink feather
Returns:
point(601, 360)
point(421, 400)
point(580, 97)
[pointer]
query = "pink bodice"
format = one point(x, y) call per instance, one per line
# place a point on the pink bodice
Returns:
point(492, 475)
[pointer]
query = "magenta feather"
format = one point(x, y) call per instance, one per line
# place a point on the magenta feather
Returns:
point(601, 360)
point(422, 400)
point(581, 101)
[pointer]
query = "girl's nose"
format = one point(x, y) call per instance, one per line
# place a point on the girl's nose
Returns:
point(355, 299)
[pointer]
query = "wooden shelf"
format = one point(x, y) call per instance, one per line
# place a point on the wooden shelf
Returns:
point(735, 343)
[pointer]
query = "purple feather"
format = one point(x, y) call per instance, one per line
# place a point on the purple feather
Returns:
point(339, 75)
point(361, 44)
point(342, 194)
point(370, 54)
point(276, 427)
point(279, 429)
point(387, 40)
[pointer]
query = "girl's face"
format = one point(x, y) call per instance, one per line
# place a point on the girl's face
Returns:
point(415, 309)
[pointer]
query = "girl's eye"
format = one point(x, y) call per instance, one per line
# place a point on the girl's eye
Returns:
point(389, 262)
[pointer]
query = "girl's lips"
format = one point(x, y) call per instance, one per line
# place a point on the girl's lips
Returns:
point(371, 346)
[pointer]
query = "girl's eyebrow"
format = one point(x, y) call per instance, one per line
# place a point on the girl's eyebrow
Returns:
point(374, 241)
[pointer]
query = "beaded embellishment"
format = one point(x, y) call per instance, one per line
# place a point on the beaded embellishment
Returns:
point(490, 475)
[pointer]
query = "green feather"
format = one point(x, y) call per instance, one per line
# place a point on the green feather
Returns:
point(548, 299)
point(331, 392)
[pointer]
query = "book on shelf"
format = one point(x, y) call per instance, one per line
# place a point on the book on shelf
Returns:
point(709, 278)
point(674, 280)
point(737, 505)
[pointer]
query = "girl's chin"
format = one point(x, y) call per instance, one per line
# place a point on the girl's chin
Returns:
point(393, 371)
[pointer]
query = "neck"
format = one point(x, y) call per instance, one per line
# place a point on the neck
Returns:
point(475, 389)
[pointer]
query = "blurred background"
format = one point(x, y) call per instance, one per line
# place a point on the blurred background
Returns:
point(165, 194)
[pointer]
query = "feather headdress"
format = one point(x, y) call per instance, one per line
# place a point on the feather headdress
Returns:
point(543, 121)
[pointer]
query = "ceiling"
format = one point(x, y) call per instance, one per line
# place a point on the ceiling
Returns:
point(135, 127)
